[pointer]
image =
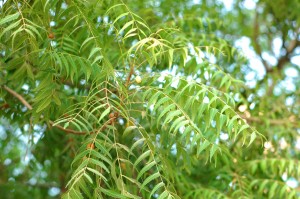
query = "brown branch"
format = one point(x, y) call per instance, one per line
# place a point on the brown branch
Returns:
point(42, 185)
point(286, 58)
point(271, 121)
point(283, 59)
point(39, 185)
point(71, 84)
point(256, 45)
point(23, 101)
point(293, 44)
point(129, 75)
point(20, 98)
point(281, 62)
point(67, 130)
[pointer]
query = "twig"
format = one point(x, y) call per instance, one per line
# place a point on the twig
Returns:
point(271, 121)
point(42, 185)
point(129, 75)
point(39, 185)
point(283, 59)
point(23, 101)
point(67, 130)
point(286, 58)
point(14, 93)
point(257, 47)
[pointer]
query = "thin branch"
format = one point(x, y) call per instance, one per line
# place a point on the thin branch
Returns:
point(283, 59)
point(71, 84)
point(39, 185)
point(286, 58)
point(23, 101)
point(256, 45)
point(67, 130)
point(42, 185)
point(271, 121)
point(293, 44)
point(129, 75)
point(20, 98)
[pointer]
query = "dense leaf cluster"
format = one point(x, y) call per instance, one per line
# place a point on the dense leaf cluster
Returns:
point(138, 105)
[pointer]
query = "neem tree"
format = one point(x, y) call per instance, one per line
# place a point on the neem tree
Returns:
point(144, 99)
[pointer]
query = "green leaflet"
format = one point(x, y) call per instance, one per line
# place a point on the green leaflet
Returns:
point(143, 156)
point(149, 179)
point(9, 18)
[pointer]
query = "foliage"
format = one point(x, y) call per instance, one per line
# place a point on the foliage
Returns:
point(146, 99)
